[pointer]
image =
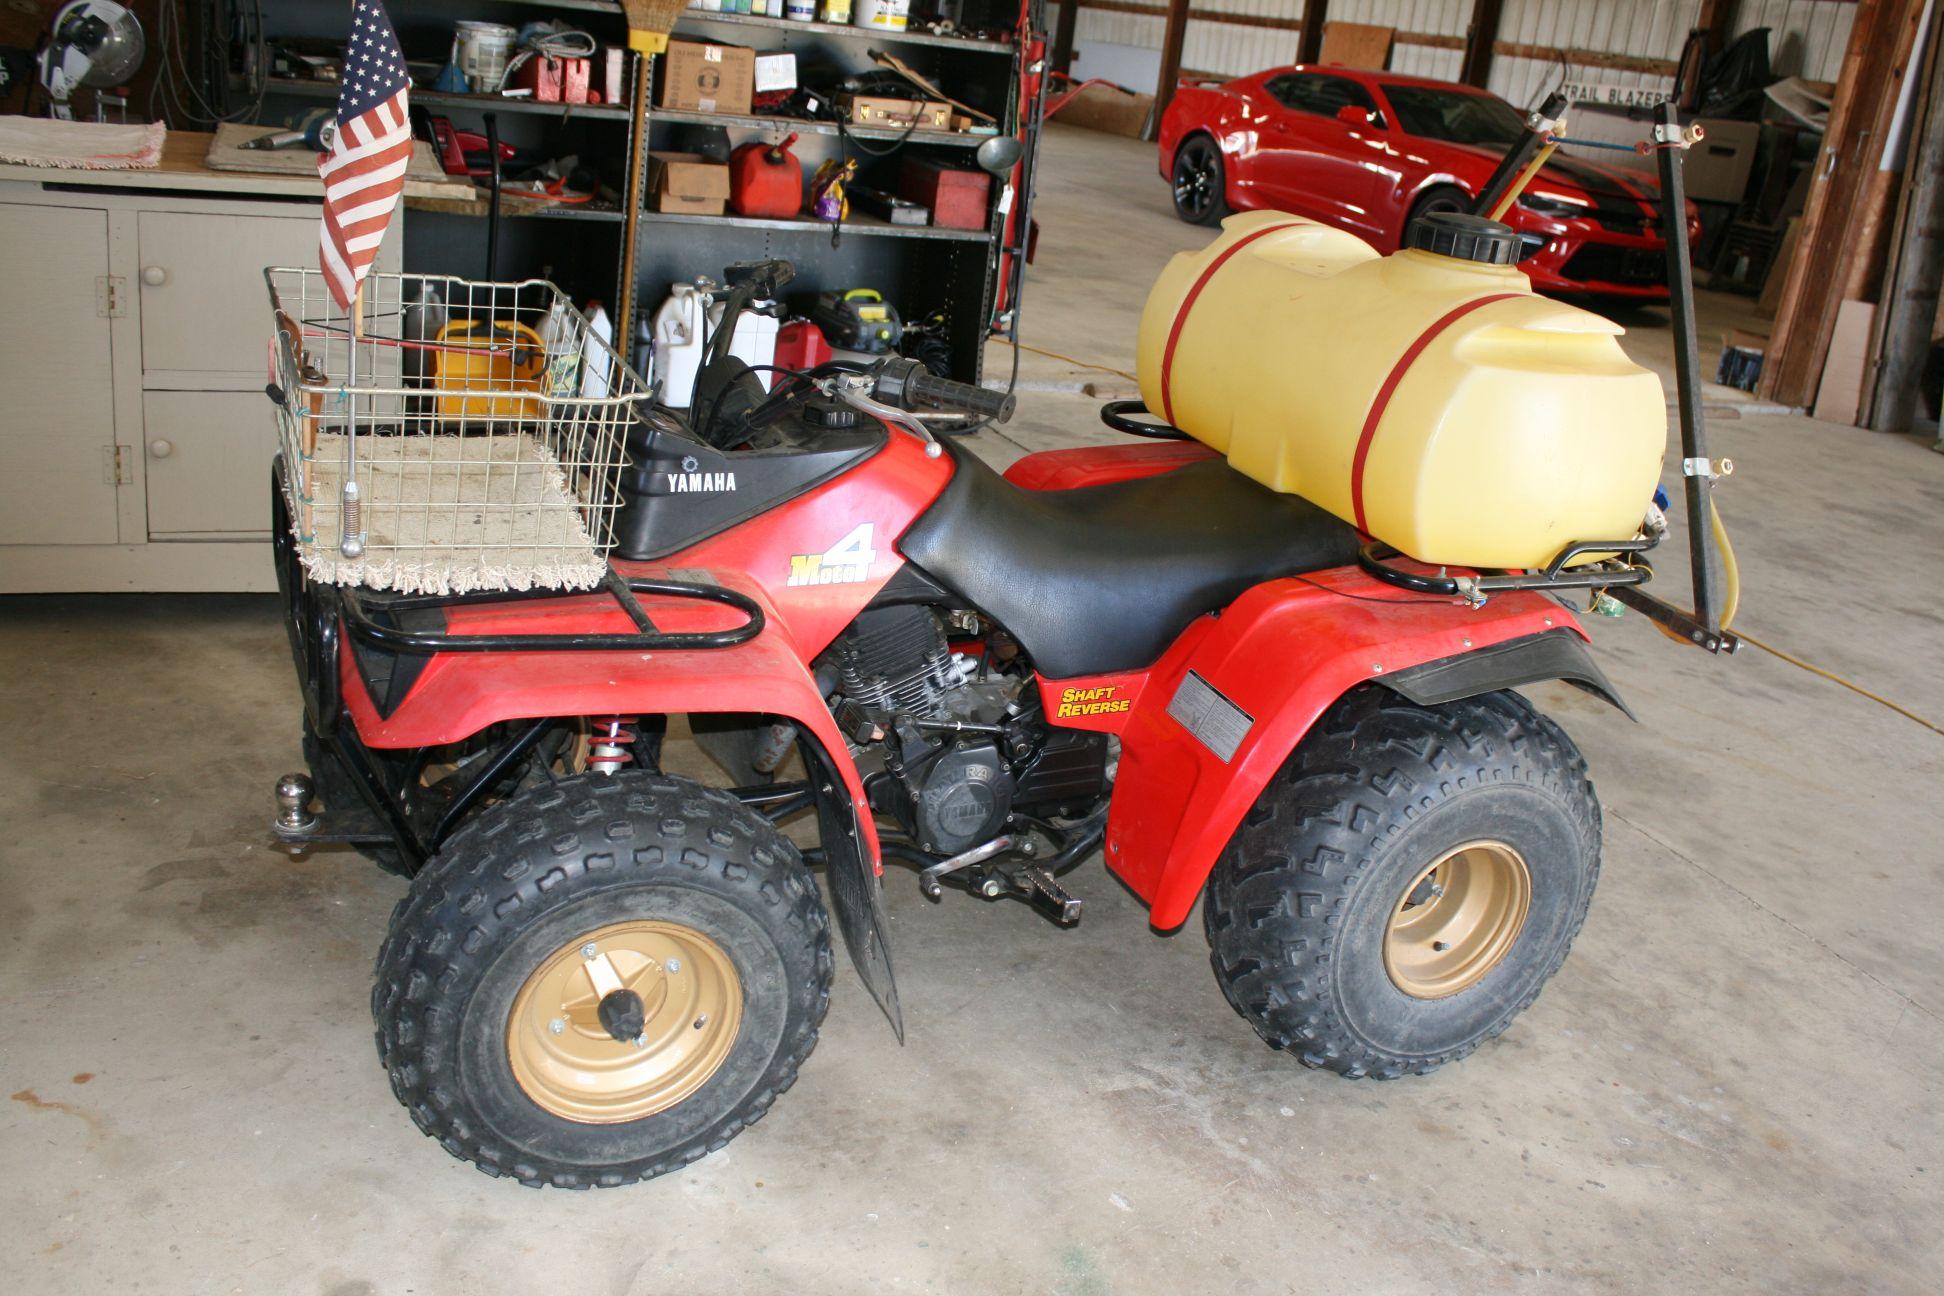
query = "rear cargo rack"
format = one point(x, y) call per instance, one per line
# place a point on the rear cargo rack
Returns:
point(1555, 575)
point(358, 618)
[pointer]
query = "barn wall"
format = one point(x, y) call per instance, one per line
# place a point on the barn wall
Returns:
point(1643, 37)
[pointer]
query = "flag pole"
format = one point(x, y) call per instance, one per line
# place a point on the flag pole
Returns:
point(351, 511)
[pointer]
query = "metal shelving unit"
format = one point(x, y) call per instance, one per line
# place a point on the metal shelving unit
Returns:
point(442, 99)
point(805, 126)
point(923, 268)
point(876, 35)
point(853, 224)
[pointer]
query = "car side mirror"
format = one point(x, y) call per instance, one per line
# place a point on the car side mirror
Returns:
point(1351, 115)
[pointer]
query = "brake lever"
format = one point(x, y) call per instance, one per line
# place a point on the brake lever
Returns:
point(850, 389)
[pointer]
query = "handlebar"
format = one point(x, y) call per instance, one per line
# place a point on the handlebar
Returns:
point(908, 385)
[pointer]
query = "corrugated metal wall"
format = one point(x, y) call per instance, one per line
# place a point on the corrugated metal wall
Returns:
point(1807, 38)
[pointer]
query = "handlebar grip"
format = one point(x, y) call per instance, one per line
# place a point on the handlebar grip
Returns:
point(923, 390)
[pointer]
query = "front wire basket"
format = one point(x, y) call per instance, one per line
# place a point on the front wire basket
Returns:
point(465, 436)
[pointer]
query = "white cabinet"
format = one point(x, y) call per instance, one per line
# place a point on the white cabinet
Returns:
point(135, 437)
point(57, 408)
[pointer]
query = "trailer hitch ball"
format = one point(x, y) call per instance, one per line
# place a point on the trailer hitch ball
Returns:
point(295, 792)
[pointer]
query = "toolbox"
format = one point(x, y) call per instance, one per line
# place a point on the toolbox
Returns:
point(894, 114)
point(957, 198)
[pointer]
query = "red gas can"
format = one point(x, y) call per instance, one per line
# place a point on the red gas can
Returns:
point(799, 345)
point(766, 180)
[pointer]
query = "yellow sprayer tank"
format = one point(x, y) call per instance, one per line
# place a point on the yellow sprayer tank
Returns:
point(1428, 397)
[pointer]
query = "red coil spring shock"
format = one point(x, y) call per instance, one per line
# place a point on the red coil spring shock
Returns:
point(610, 744)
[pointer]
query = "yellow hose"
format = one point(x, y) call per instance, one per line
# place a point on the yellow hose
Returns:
point(1525, 178)
point(1731, 604)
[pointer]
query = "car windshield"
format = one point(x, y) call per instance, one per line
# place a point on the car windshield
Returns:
point(1455, 116)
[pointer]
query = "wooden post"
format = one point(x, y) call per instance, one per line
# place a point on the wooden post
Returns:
point(1908, 311)
point(1171, 38)
point(1479, 39)
point(1717, 19)
point(1309, 45)
point(1838, 214)
point(1063, 36)
point(631, 209)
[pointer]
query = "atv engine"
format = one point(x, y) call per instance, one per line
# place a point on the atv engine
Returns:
point(948, 750)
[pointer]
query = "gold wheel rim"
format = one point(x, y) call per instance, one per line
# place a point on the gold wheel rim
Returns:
point(1457, 919)
point(566, 1060)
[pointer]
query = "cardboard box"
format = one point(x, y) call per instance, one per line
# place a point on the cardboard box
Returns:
point(775, 72)
point(894, 114)
point(706, 78)
point(1840, 394)
point(1109, 108)
point(687, 182)
point(1716, 169)
point(1357, 45)
point(617, 81)
point(957, 198)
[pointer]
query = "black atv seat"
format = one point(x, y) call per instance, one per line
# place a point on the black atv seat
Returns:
point(1103, 578)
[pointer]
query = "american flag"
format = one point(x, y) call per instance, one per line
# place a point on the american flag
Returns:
point(365, 170)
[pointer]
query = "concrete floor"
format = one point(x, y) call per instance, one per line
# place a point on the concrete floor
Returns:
point(1733, 1085)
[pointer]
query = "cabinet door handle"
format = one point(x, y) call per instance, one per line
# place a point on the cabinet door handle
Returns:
point(154, 276)
point(161, 448)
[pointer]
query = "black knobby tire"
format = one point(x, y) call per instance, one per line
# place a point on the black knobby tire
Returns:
point(1300, 904)
point(527, 876)
point(1198, 181)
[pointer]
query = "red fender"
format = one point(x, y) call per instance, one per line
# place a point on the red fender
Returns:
point(460, 694)
point(811, 564)
point(1267, 668)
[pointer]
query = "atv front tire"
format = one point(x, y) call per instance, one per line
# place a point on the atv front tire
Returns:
point(600, 980)
point(1407, 883)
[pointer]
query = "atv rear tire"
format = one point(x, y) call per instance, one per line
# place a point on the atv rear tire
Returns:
point(500, 1006)
point(1407, 883)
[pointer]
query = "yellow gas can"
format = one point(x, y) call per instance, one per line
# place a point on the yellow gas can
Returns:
point(1428, 397)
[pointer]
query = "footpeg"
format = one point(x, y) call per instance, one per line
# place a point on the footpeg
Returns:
point(1048, 896)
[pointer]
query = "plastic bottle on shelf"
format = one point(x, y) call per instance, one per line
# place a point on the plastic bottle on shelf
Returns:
point(800, 10)
point(837, 11)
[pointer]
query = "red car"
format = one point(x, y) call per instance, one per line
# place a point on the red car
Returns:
point(1370, 151)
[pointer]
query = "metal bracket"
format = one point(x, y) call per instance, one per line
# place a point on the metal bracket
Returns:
point(1709, 468)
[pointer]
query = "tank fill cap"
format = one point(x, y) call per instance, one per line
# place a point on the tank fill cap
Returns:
point(1464, 237)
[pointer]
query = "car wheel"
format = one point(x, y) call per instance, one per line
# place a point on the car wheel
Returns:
point(1200, 195)
point(1445, 198)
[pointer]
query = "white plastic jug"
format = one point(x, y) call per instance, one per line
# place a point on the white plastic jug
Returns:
point(755, 340)
point(679, 343)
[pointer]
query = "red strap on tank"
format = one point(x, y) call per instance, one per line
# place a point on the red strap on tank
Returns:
point(1385, 392)
point(1188, 304)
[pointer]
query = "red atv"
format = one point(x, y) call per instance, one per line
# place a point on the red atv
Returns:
point(603, 970)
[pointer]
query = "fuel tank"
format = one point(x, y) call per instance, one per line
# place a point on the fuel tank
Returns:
point(1430, 397)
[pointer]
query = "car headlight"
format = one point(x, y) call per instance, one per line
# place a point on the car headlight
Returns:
point(1547, 205)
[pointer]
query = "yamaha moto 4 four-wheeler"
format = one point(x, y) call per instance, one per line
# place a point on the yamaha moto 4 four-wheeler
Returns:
point(603, 970)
